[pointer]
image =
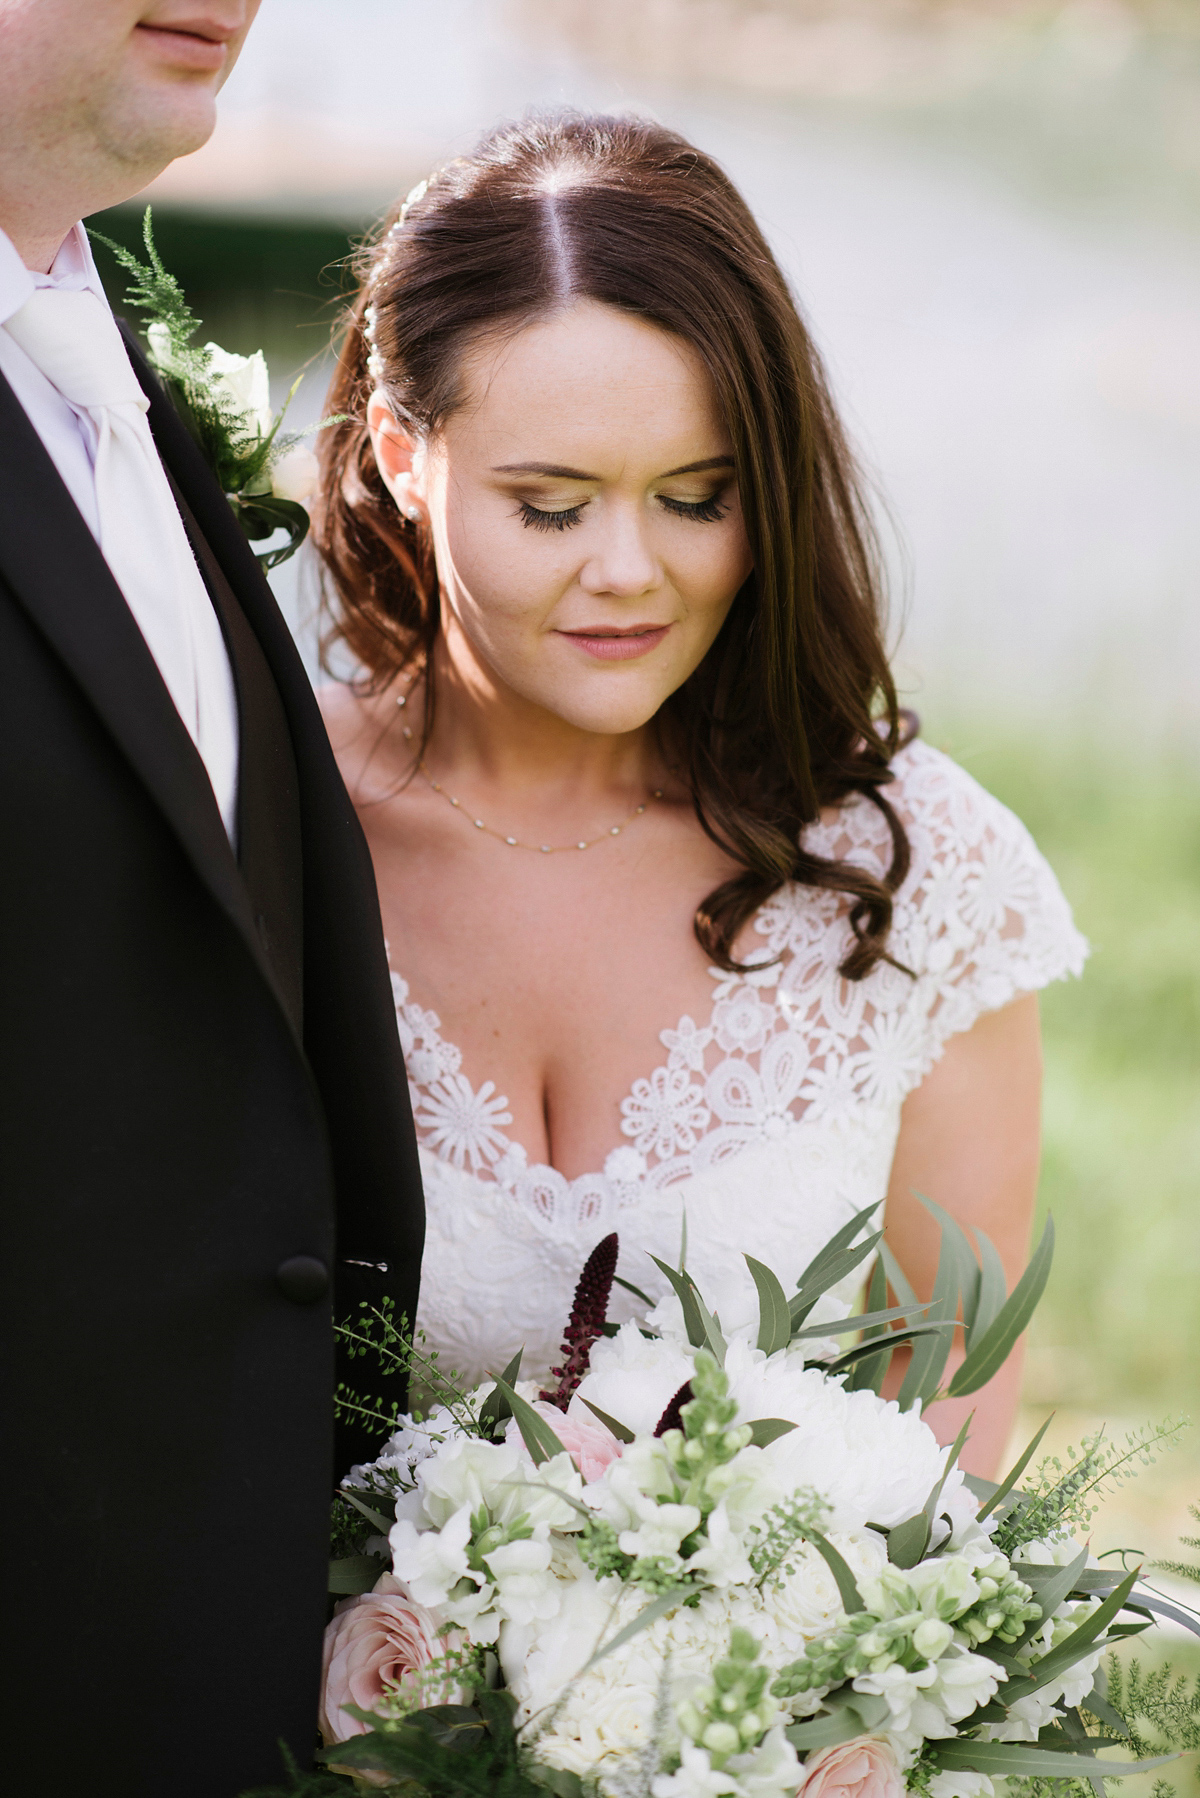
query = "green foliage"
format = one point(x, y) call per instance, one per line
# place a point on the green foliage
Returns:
point(786, 1525)
point(1161, 1706)
point(314, 1783)
point(376, 1332)
point(1185, 1569)
point(1062, 1497)
point(238, 456)
point(451, 1751)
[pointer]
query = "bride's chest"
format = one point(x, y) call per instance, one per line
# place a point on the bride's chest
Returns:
point(554, 983)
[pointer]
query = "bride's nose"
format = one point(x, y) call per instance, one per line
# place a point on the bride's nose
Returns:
point(622, 562)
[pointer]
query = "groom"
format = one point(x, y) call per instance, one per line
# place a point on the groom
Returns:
point(206, 1151)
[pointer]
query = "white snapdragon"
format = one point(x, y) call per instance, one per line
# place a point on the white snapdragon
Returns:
point(526, 1589)
point(432, 1562)
point(467, 1473)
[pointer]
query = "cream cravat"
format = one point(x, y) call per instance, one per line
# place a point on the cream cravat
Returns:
point(74, 340)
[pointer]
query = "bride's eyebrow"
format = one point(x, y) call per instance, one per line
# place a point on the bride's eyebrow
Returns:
point(553, 472)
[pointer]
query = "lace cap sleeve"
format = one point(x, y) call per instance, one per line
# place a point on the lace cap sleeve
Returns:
point(981, 918)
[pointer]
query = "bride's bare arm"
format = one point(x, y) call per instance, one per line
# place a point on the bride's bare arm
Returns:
point(970, 1138)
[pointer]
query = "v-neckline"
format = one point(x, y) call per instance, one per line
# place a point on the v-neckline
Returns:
point(502, 1156)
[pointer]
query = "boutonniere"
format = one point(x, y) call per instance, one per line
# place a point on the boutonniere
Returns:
point(267, 475)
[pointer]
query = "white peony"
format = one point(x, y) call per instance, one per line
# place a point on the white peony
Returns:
point(634, 1379)
point(873, 1462)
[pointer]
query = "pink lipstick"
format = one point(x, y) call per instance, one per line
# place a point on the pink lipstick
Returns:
point(618, 646)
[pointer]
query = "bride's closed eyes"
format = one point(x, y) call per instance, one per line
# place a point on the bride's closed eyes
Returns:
point(536, 518)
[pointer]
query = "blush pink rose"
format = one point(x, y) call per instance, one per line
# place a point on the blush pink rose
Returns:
point(372, 1645)
point(590, 1443)
point(862, 1768)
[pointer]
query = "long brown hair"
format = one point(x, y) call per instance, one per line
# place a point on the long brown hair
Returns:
point(793, 707)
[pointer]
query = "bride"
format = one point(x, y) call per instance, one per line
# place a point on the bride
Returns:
point(689, 932)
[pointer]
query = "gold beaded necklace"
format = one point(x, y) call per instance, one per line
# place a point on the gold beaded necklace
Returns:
point(614, 830)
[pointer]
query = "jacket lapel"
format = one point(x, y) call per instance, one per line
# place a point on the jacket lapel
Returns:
point(52, 563)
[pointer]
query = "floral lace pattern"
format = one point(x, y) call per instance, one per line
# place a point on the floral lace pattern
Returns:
point(795, 1068)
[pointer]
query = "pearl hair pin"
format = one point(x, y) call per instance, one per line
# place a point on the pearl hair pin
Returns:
point(614, 830)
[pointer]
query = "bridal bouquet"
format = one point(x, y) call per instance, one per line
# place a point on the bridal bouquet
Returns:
point(696, 1567)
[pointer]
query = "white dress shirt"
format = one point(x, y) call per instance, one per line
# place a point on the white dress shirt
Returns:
point(69, 435)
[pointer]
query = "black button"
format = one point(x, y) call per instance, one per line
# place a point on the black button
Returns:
point(303, 1279)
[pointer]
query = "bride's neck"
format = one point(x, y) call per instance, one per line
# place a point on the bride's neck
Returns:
point(487, 735)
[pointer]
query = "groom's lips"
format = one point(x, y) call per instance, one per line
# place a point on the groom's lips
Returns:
point(200, 44)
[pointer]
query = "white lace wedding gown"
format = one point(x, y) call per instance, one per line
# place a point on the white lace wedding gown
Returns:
point(772, 1120)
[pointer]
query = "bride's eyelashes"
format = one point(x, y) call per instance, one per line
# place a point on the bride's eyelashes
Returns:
point(705, 511)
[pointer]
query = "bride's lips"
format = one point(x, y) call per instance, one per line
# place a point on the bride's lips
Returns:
point(618, 646)
point(199, 44)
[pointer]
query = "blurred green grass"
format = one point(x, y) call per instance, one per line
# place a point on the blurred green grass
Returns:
point(1120, 1322)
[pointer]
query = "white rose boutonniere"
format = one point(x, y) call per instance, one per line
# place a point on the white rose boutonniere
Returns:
point(267, 475)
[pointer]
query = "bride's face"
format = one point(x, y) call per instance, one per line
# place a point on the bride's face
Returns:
point(585, 516)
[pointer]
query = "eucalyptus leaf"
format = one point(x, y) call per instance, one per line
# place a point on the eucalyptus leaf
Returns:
point(1010, 1479)
point(635, 1290)
point(621, 1431)
point(685, 1291)
point(896, 1339)
point(837, 1270)
point(993, 1288)
point(774, 1318)
point(954, 1276)
point(988, 1354)
point(1052, 1594)
point(538, 1436)
point(870, 1371)
point(841, 1239)
point(824, 1731)
point(765, 1430)
point(382, 1524)
point(354, 1574)
point(871, 1322)
point(495, 1407)
point(851, 1597)
point(907, 1541)
point(1006, 1759)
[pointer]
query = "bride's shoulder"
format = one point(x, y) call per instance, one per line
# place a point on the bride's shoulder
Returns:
point(979, 910)
point(943, 810)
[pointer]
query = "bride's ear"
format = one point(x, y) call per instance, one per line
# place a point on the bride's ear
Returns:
point(400, 458)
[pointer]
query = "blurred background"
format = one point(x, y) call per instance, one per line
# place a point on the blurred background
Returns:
point(990, 210)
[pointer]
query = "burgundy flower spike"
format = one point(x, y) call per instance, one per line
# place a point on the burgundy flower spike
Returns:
point(588, 1315)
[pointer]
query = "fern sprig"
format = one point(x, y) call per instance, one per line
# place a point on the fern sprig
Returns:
point(1184, 1569)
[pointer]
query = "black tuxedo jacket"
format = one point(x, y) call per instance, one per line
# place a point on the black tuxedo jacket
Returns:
point(200, 1080)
